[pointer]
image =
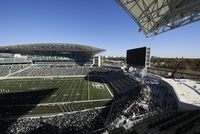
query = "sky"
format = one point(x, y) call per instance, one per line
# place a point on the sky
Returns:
point(98, 23)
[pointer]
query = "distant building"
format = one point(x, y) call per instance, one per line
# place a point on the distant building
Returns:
point(97, 61)
point(148, 57)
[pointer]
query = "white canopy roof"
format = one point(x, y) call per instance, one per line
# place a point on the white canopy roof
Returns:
point(152, 15)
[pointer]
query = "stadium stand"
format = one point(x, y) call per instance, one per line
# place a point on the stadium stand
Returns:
point(133, 103)
point(168, 121)
point(9, 69)
point(48, 70)
point(77, 122)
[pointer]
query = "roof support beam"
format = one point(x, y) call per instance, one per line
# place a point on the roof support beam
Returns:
point(158, 16)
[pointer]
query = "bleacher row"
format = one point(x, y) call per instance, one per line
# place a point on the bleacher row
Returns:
point(169, 122)
point(60, 69)
point(131, 97)
point(6, 111)
point(21, 60)
point(48, 58)
point(137, 106)
point(162, 95)
point(71, 107)
point(43, 70)
point(52, 71)
point(8, 69)
point(120, 106)
point(76, 123)
point(121, 83)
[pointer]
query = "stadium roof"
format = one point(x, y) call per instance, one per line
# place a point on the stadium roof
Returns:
point(157, 16)
point(79, 53)
point(59, 47)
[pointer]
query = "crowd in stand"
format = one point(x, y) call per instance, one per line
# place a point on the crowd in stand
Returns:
point(170, 121)
point(76, 123)
point(116, 79)
point(134, 104)
point(132, 100)
point(162, 96)
point(50, 69)
point(9, 69)
point(121, 83)
point(53, 71)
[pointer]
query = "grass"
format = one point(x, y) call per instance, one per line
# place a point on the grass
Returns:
point(67, 108)
point(35, 91)
point(67, 89)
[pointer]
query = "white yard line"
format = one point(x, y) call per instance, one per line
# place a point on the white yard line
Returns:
point(50, 98)
point(46, 104)
point(76, 81)
point(55, 114)
point(59, 76)
point(82, 85)
point(65, 89)
point(79, 86)
point(43, 104)
point(88, 89)
point(107, 88)
point(68, 89)
point(60, 92)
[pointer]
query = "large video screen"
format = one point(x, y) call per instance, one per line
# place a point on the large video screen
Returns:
point(136, 56)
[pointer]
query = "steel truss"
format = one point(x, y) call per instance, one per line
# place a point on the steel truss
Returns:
point(158, 16)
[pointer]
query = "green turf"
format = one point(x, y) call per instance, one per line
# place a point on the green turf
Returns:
point(67, 89)
point(67, 107)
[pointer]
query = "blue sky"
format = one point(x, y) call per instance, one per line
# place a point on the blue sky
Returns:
point(99, 23)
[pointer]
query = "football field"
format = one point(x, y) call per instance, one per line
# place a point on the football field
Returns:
point(66, 89)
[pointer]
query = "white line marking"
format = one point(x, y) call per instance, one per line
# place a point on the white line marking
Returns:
point(71, 94)
point(107, 88)
point(88, 89)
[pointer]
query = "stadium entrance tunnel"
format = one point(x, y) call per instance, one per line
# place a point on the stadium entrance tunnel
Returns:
point(17, 104)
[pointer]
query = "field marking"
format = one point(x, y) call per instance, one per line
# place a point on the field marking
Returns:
point(62, 89)
point(54, 114)
point(107, 88)
point(46, 104)
point(24, 85)
point(51, 84)
point(50, 98)
point(45, 84)
point(79, 86)
point(82, 85)
point(68, 83)
point(43, 104)
point(88, 89)
point(68, 88)
point(73, 90)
